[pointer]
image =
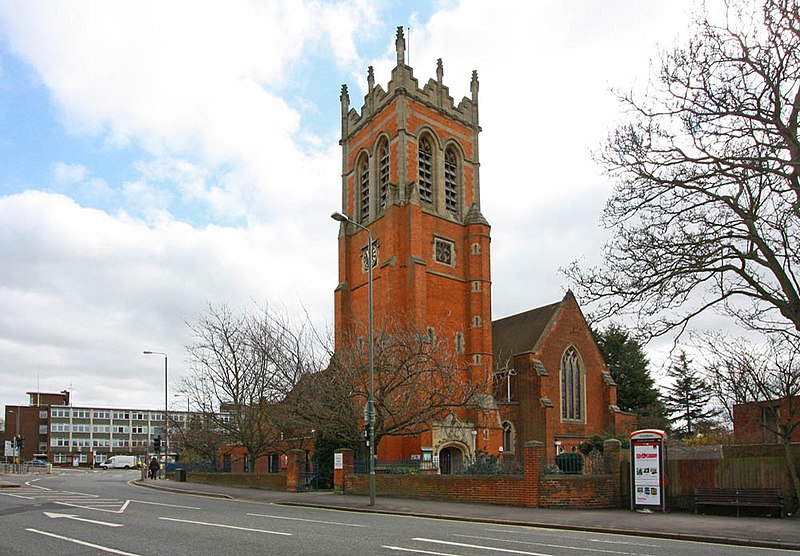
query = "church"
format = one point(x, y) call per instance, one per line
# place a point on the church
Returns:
point(411, 176)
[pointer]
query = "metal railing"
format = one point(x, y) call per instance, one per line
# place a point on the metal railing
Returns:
point(576, 463)
point(24, 468)
point(481, 465)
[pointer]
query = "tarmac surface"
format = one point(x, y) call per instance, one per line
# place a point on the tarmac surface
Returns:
point(767, 532)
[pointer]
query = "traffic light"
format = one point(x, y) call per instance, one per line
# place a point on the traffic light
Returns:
point(367, 435)
point(20, 441)
point(157, 443)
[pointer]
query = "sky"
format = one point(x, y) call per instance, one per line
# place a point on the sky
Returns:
point(160, 157)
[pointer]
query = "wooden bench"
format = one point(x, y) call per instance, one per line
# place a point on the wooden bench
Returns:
point(739, 498)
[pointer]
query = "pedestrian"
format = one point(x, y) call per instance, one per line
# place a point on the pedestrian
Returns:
point(152, 469)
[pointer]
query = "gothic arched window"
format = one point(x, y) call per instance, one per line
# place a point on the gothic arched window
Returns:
point(362, 175)
point(425, 170)
point(508, 437)
point(451, 180)
point(383, 174)
point(572, 385)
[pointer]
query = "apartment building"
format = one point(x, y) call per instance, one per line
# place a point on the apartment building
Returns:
point(62, 433)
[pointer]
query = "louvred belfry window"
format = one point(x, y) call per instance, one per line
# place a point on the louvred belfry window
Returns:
point(383, 173)
point(451, 181)
point(425, 161)
point(363, 185)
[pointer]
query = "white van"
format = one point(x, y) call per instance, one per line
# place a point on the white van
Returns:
point(117, 462)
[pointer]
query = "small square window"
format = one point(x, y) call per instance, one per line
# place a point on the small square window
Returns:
point(443, 251)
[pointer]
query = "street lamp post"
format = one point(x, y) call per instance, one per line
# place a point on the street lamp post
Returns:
point(166, 407)
point(17, 451)
point(339, 217)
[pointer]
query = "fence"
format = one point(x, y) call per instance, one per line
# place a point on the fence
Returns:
point(481, 465)
point(576, 463)
point(23, 468)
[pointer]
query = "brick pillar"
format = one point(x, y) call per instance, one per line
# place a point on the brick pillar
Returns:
point(295, 467)
point(612, 451)
point(347, 466)
point(532, 456)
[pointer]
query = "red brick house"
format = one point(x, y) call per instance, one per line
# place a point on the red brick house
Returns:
point(410, 174)
point(757, 422)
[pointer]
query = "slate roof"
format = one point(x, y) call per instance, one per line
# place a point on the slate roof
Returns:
point(519, 333)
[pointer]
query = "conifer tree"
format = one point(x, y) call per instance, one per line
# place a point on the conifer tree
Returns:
point(629, 369)
point(687, 399)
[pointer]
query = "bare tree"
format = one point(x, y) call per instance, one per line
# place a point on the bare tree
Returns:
point(742, 372)
point(243, 367)
point(419, 379)
point(706, 207)
point(201, 439)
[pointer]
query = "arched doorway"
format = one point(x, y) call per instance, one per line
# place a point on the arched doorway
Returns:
point(451, 460)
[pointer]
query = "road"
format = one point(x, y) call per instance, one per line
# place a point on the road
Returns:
point(98, 512)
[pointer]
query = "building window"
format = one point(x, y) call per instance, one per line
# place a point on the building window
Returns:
point(571, 385)
point(425, 170)
point(770, 417)
point(443, 251)
point(508, 437)
point(274, 463)
point(476, 286)
point(451, 181)
point(459, 343)
point(476, 248)
point(476, 321)
point(383, 173)
point(363, 188)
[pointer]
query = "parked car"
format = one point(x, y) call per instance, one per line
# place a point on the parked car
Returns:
point(37, 463)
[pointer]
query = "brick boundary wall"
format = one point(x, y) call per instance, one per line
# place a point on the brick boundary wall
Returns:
point(531, 489)
point(267, 481)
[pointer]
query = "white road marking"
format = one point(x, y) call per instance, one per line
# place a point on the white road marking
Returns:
point(416, 551)
point(167, 505)
point(226, 526)
point(536, 543)
point(478, 546)
point(83, 543)
point(308, 520)
point(122, 505)
point(54, 515)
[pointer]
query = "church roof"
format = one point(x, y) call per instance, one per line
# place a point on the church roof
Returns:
point(520, 333)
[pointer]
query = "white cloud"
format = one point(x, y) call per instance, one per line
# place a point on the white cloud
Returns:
point(69, 173)
point(85, 292)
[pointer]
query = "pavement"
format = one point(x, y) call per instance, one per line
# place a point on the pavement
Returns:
point(766, 532)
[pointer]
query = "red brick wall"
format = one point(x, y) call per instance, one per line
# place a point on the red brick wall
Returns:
point(529, 490)
point(268, 481)
point(579, 491)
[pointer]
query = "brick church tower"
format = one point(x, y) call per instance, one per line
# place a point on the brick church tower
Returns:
point(410, 173)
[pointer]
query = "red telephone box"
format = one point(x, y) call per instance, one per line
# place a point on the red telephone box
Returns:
point(648, 469)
